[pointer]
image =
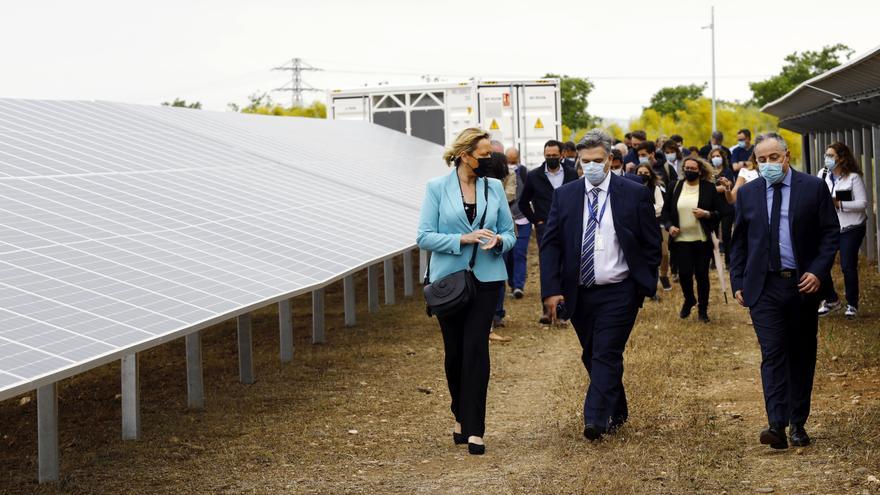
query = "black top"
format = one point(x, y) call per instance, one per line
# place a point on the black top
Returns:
point(470, 209)
point(534, 202)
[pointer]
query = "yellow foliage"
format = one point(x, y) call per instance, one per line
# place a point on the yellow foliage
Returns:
point(315, 110)
point(694, 124)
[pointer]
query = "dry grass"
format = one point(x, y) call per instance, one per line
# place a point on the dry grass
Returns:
point(695, 402)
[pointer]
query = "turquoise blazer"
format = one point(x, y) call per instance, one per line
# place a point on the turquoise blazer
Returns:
point(443, 221)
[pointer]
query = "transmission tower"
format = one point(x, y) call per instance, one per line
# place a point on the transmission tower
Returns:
point(296, 86)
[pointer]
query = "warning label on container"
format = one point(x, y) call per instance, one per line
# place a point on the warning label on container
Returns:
point(494, 126)
point(539, 124)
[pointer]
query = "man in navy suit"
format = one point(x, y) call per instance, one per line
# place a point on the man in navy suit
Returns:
point(599, 259)
point(784, 239)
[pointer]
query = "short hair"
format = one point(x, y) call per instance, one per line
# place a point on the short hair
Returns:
point(616, 155)
point(718, 135)
point(746, 132)
point(595, 138)
point(670, 144)
point(774, 136)
point(640, 135)
point(648, 146)
point(499, 168)
point(677, 138)
point(551, 143)
point(628, 135)
point(569, 146)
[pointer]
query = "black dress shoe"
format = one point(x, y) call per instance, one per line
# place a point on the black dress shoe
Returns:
point(544, 319)
point(475, 449)
point(774, 436)
point(703, 316)
point(593, 432)
point(685, 310)
point(459, 438)
point(799, 437)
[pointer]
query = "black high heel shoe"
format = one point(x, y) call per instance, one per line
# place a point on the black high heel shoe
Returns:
point(459, 438)
point(474, 449)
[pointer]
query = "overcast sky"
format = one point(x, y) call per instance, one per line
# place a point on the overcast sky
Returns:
point(221, 51)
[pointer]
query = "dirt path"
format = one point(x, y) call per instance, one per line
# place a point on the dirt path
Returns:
point(368, 413)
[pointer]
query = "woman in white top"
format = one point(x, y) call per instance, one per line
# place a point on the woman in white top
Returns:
point(843, 176)
point(746, 174)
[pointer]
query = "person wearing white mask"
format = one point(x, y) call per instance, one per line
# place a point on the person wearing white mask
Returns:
point(673, 155)
point(599, 259)
point(843, 176)
point(519, 256)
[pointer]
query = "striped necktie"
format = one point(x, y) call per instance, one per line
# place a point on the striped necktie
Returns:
point(588, 273)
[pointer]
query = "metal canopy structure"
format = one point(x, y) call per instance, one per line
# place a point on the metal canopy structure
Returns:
point(842, 104)
point(126, 226)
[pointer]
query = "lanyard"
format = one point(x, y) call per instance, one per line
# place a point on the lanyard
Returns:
point(602, 212)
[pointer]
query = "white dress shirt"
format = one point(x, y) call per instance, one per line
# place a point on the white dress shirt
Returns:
point(851, 213)
point(555, 178)
point(609, 263)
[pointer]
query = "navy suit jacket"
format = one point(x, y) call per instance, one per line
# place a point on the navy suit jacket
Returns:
point(635, 223)
point(815, 233)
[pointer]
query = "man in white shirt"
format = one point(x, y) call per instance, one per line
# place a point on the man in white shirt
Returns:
point(599, 258)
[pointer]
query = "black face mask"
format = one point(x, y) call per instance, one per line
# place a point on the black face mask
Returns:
point(484, 167)
point(691, 175)
point(645, 178)
point(553, 163)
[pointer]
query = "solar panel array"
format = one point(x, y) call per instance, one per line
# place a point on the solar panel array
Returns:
point(125, 226)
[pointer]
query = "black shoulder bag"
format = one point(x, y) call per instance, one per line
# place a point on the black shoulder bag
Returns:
point(456, 290)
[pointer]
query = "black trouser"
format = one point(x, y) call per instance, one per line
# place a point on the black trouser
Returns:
point(726, 233)
point(693, 262)
point(466, 345)
point(850, 242)
point(603, 319)
point(786, 324)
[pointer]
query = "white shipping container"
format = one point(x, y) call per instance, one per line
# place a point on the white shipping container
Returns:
point(522, 114)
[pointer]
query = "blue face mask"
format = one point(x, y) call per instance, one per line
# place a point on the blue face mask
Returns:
point(643, 159)
point(771, 172)
point(830, 163)
point(742, 143)
point(594, 172)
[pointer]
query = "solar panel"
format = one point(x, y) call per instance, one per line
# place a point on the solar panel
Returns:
point(124, 226)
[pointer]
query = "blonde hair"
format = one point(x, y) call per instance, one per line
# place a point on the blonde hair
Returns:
point(707, 172)
point(465, 142)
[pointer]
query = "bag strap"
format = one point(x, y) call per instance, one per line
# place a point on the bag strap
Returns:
point(482, 221)
point(474, 253)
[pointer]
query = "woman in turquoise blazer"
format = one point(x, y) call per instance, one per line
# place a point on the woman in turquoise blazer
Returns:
point(449, 228)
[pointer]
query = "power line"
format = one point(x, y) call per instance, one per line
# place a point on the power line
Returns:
point(296, 86)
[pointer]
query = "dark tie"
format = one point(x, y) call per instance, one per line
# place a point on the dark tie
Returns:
point(588, 246)
point(775, 214)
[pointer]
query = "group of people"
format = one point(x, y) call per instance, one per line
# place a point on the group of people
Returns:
point(613, 221)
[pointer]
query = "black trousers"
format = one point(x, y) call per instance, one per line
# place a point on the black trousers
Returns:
point(726, 225)
point(603, 319)
point(787, 325)
point(693, 262)
point(466, 345)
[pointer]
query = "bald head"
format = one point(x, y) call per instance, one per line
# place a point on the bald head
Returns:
point(512, 156)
